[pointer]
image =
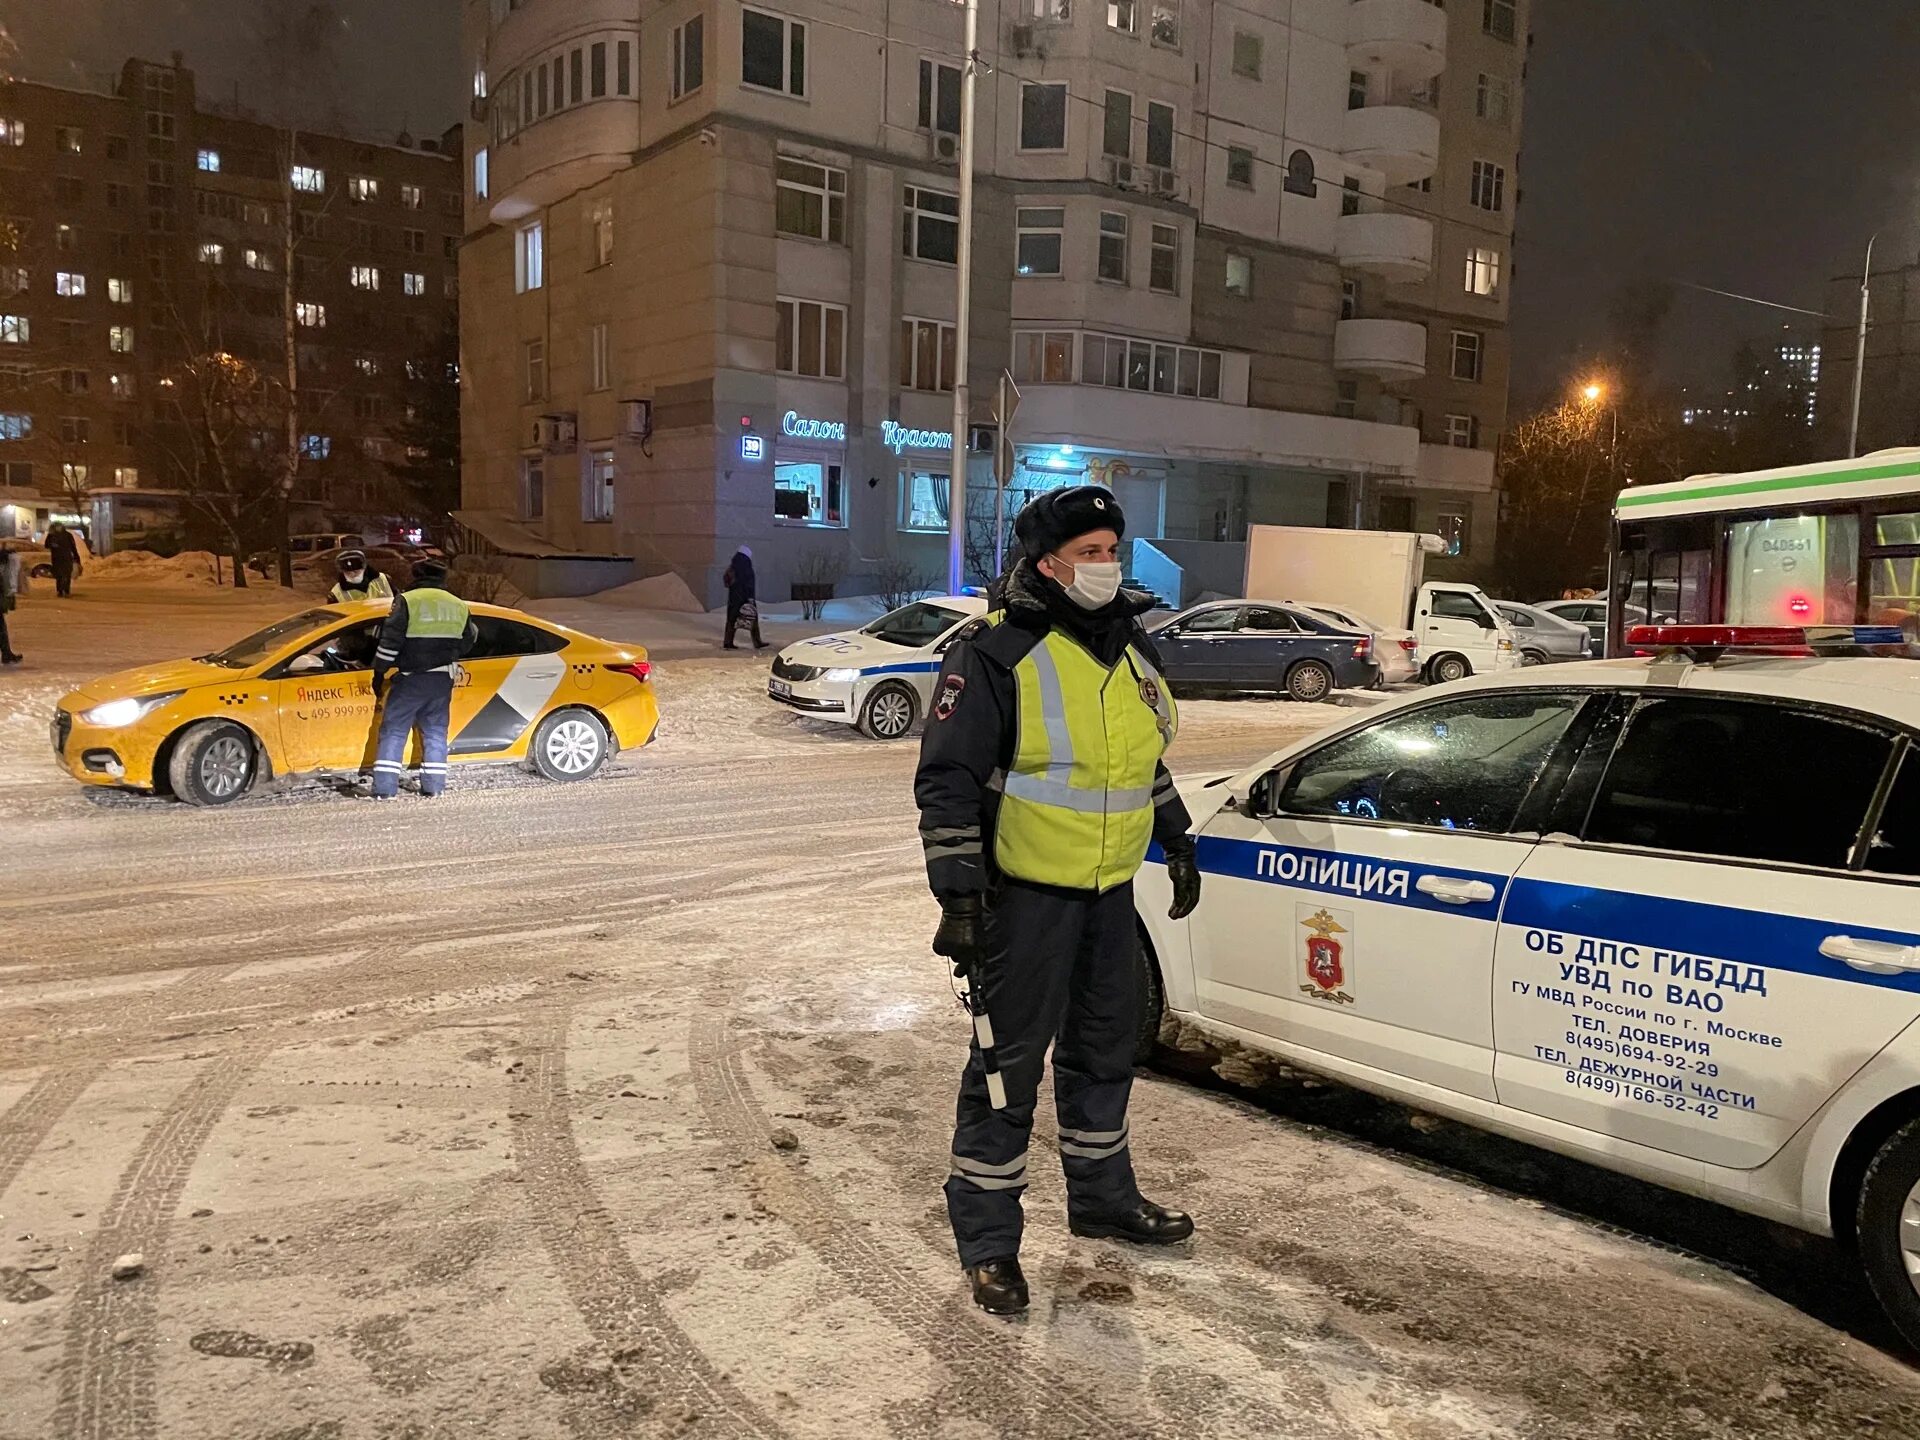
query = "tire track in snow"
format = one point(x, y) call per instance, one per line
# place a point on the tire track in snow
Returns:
point(983, 1357)
point(622, 1311)
point(107, 1389)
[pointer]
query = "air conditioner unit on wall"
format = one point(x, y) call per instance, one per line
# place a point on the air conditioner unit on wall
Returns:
point(1120, 173)
point(944, 148)
point(637, 418)
point(1161, 180)
point(980, 438)
point(556, 434)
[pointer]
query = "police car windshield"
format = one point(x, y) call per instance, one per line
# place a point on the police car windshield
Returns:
point(262, 643)
point(914, 626)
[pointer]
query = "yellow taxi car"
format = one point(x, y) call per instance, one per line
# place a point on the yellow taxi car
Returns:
point(297, 699)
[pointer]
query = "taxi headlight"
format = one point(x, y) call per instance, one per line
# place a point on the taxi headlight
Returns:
point(117, 713)
point(840, 677)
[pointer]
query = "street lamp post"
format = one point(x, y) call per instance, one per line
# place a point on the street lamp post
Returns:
point(957, 480)
point(1860, 351)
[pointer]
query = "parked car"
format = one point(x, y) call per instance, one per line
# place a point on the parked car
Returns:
point(1398, 651)
point(36, 560)
point(1545, 637)
point(879, 677)
point(1255, 646)
point(301, 546)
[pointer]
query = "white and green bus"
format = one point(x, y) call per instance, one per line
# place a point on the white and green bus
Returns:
point(1829, 544)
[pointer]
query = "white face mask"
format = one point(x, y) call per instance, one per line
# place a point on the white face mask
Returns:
point(1095, 583)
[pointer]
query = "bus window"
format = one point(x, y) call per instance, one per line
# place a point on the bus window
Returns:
point(1665, 586)
point(1793, 570)
point(1895, 574)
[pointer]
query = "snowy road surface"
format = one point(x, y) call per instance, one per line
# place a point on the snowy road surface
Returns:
point(619, 1110)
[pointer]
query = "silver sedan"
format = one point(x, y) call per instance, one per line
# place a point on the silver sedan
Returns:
point(1544, 638)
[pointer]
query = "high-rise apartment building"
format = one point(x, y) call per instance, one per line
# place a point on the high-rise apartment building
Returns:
point(1246, 263)
point(140, 227)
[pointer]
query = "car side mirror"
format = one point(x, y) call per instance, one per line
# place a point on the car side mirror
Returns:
point(307, 664)
point(1261, 799)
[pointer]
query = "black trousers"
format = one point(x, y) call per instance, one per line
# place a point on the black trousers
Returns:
point(733, 623)
point(63, 580)
point(6, 643)
point(1062, 973)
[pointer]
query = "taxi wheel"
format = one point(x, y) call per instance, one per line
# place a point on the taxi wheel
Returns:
point(889, 712)
point(1448, 668)
point(213, 763)
point(1152, 999)
point(569, 745)
point(1309, 681)
point(1889, 1229)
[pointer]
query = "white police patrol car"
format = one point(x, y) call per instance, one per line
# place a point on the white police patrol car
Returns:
point(1662, 914)
point(879, 677)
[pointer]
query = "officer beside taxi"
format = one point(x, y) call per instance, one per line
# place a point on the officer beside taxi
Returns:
point(425, 633)
point(1040, 788)
point(358, 581)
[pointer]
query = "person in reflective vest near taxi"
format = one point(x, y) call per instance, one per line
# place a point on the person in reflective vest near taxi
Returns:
point(1040, 788)
point(425, 633)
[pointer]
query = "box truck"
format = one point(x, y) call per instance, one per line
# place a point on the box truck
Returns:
point(1378, 573)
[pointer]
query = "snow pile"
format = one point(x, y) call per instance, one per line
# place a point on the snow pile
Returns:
point(656, 592)
point(189, 570)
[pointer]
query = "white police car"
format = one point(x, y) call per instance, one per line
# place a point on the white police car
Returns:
point(1661, 914)
point(879, 677)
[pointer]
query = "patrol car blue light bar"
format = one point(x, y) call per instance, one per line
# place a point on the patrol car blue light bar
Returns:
point(1799, 638)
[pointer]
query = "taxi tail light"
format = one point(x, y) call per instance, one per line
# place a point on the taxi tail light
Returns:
point(640, 670)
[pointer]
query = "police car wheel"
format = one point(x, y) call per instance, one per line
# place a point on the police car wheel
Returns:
point(889, 712)
point(569, 745)
point(213, 763)
point(1888, 1229)
point(1152, 999)
point(1449, 668)
point(1309, 681)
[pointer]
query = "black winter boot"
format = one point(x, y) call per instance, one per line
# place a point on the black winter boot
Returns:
point(1149, 1224)
point(999, 1287)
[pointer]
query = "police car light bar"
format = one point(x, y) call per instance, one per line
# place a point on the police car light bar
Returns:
point(1771, 639)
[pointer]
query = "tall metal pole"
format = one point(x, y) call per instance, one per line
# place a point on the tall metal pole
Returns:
point(957, 481)
point(1860, 353)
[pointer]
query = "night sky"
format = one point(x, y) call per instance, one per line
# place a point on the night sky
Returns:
point(1749, 145)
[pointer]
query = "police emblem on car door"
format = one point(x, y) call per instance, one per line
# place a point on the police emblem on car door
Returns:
point(1324, 961)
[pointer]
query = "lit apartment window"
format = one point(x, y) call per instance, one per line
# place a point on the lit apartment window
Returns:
point(1465, 355)
point(256, 259)
point(126, 477)
point(362, 189)
point(1116, 126)
point(1043, 115)
point(535, 352)
point(366, 365)
point(773, 53)
point(309, 179)
point(1113, 246)
point(70, 284)
point(1493, 100)
point(1166, 23)
point(1163, 269)
point(209, 161)
point(12, 132)
point(76, 477)
point(1463, 432)
point(1497, 18)
point(811, 201)
point(599, 358)
point(533, 487)
point(1122, 363)
point(1483, 271)
point(480, 158)
point(530, 257)
point(412, 197)
point(122, 385)
point(311, 315)
point(1240, 167)
point(413, 283)
point(931, 229)
point(811, 492)
point(1039, 238)
point(1043, 357)
point(15, 426)
point(939, 97)
point(15, 330)
point(1489, 190)
point(596, 499)
point(689, 57)
point(1239, 275)
point(1451, 526)
point(1123, 15)
point(923, 501)
point(926, 354)
point(120, 292)
point(316, 447)
point(365, 277)
point(1246, 55)
point(120, 339)
point(810, 338)
point(601, 219)
point(213, 253)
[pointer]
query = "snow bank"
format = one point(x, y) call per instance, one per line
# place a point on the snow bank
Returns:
point(656, 592)
point(191, 569)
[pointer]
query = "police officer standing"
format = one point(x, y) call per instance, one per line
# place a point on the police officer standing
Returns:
point(427, 630)
point(357, 581)
point(1040, 787)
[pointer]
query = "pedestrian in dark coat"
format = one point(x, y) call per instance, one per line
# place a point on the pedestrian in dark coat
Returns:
point(12, 574)
point(743, 604)
point(64, 554)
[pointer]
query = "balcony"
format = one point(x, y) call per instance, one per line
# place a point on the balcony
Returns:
point(1394, 247)
point(560, 156)
point(1390, 349)
point(1398, 141)
point(1408, 37)
point(529, 30)
point(1448, 467)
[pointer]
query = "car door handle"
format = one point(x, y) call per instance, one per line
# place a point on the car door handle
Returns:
point(1876, 957)
point(1454, 892)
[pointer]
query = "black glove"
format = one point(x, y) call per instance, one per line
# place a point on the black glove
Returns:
point(379, 683)
point(1184, 871)
point(962, 936)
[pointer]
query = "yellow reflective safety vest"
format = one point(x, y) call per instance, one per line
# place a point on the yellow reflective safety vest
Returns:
point(435, 615)
point(1076, 806)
